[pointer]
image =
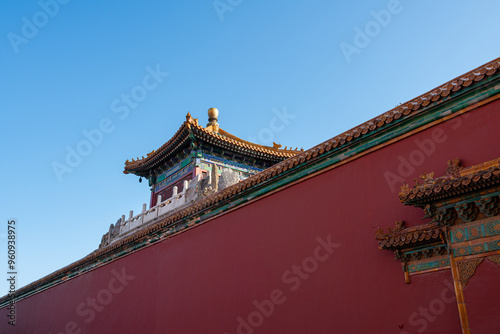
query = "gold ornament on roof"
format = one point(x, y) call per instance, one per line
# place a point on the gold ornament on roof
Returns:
point(213, 113)
point(213, 117)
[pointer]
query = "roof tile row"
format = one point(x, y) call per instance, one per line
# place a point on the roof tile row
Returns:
point(408, 237)
point(464, 180)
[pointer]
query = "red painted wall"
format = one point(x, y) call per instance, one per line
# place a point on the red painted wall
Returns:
point(208, 279)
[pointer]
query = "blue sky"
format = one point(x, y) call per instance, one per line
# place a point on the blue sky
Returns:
point(68, 67)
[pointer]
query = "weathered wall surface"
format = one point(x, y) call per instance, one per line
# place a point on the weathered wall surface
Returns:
point(302, 260)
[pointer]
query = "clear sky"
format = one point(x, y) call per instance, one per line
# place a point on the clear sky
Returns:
point(126, 73)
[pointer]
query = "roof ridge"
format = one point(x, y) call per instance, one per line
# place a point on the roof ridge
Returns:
point(414, 104)
point(229, 135)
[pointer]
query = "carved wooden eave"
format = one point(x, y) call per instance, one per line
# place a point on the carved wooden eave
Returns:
point(423, 244)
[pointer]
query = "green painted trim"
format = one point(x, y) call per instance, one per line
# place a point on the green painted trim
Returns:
point(428, 265)
point(466, 198)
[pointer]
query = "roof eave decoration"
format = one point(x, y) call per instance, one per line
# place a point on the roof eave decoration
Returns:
point(190, 131)
point(457, 180)
point(400, 237)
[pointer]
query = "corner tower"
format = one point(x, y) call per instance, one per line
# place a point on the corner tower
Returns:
point(187, 168)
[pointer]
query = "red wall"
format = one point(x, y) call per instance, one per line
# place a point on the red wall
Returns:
point(203, 280)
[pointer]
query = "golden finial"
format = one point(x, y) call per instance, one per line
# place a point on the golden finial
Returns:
point(213, 116)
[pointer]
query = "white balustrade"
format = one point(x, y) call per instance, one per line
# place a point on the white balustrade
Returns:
point(162, 207)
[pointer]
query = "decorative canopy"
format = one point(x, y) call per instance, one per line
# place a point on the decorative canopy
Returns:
point(439, 197)
point(464, 229)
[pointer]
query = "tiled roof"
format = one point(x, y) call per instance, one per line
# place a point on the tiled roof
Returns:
point(458, 180)
point(407, 109)
point(402, 237)
point(216, 137)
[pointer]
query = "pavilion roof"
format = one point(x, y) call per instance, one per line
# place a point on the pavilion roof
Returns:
point(212, 135)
